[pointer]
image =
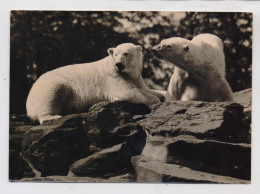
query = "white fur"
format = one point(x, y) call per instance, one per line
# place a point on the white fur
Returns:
point(199, 73)
point(118, 55)
point(210, 49)
point(74, 88)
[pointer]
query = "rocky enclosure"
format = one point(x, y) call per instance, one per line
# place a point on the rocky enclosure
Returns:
point(194, 142)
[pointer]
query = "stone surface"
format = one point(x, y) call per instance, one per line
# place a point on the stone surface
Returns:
point(53, 146)
point(106, 163)
point(222, 121)
point(153, 171)
point(202, 155)
point(125, 178)
point(18, 168)
point(194, 142)
point(244, 98)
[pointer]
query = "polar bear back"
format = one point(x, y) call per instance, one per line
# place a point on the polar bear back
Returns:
point(70, 82)
point(75, 77)
point(211, 47)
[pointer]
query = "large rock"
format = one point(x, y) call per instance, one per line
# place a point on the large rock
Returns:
point(244, 98)
point(153, 171)
point(177, 142)
point(18, 167)
point(211, 140)
point(52, 147)
point(125, 178)
point(221, 121)
point(215, 157)
point(106, 163)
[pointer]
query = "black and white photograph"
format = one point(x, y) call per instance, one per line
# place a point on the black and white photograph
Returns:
point(130, 97)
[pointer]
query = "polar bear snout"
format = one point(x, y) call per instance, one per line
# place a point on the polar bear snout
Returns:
point(120, 66)
point(157, 48)
point(157, 51)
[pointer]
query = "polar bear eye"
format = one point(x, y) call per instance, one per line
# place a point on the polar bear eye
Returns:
point(126, 54)
point(168, 46)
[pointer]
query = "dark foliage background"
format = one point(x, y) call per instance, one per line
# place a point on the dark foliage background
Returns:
point(44, 40)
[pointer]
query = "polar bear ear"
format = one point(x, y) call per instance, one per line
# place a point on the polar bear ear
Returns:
point(186, 48)
point(110, 51)
point(139, 48)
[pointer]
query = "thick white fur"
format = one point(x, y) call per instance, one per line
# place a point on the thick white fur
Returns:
point(199, 72)
point(74, 88)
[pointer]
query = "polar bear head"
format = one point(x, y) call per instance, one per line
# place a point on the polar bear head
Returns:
point(128, 59)
point(174, 50)
point(203, 52)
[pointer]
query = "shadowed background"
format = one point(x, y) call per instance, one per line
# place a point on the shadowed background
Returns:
point(44, 40)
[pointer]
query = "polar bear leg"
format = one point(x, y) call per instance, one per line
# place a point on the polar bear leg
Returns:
point(48, 99)
point(159, 94)
point(60, 102)
point(190, 94)
point(176, 84)
point(48, 117)
point(139, 82)
point(129, 92)
point(151, 99)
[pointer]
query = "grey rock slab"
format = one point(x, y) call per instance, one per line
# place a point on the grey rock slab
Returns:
point(18, 168)
point(223, 158)
point(55, 152)
point(125, 178)
point(106, 163)
point(244, 98)
point(53, 146)
point(36, 133)
point(154, 171)
point(222, 121)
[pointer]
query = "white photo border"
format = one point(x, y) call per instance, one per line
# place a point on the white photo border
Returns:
point(88, 5)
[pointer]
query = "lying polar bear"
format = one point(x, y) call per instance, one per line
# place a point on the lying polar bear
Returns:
point(73, 88)
point(199, 72)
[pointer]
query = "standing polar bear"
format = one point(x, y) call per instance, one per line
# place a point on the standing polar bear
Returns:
point(74, 88)
point(199, 72)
